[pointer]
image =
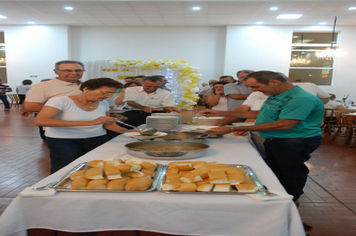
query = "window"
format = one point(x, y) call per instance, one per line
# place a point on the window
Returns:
point(306, 63)
point(3, 74)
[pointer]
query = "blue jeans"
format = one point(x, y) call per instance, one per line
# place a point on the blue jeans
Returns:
point(63, 151)
point(286, 158)
point(4, 100)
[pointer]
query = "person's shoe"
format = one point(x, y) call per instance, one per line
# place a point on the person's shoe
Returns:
point(6, 109)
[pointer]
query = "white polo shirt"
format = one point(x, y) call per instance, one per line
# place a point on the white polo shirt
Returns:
point(43, 91)
point(160, 98)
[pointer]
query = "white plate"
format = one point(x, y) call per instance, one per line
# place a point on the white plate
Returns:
point(243, 123)
point(139, 136)
point(199, 128)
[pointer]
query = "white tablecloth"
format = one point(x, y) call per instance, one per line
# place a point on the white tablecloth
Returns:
point(185, 214)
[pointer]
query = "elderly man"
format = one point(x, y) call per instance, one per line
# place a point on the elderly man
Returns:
point(289, 120)
point(146, 99)
point(67, 83)
point(237, 92)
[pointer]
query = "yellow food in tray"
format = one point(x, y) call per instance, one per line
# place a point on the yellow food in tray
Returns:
point(115, 175)
point(201, 176)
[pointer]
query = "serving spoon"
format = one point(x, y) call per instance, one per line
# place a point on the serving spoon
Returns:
point(145, 131)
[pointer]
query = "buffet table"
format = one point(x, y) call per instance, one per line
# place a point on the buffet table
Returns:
point(173, 213)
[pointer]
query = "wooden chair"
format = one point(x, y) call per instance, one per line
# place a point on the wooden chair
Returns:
point(15, 101)
point(340, 123)
point(328, 120)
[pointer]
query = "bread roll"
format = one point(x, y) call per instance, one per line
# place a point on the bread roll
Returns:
point(246, 187)
point(97, 184)
point(188, 187)
point(202, 171)
point(235, 178)
point(198, 164)
point(138, 184)
point(173, 170)
point(222, 188)
point(134, 167)
point(94, 173)
point(117, 184)
point(76, 174)
point(111, 171)
point(217, 177)
point(204, 181)
point(191, 177)
point(148, 165)
point(174, 186)
point(150, 173)
point(172, 178)
point(79, 182)
point(126, 168)
point(205, 188)
point(96, 163)
point(185, 166)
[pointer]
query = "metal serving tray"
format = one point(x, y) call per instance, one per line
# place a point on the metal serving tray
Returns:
point(250, 173)
point(63, 183)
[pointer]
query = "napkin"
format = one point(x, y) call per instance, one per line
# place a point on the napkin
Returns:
point(280, 196)
point(30, 192)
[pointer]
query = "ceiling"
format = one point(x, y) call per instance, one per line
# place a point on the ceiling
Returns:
point(174, 13)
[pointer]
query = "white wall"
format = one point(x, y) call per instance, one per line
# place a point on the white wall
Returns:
point(33, 50)
point(269, 48)
point(202, 47)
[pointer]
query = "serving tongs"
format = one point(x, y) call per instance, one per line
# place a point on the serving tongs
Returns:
point(59, 181)
point(145, 131)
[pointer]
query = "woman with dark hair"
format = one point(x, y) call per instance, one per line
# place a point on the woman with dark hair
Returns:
point(76, 124)
point(217, 100)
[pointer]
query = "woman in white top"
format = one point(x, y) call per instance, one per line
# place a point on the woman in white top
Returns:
point(21, 90)
point(217, 100)
point(76, 124)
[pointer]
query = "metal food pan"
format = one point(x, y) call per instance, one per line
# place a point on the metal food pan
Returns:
point(249, 172)
point(167, 150)
point(184, 137)
point(63, 183)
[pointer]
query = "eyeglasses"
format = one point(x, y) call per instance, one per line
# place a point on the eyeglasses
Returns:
point(68, 71)
point(107, 92)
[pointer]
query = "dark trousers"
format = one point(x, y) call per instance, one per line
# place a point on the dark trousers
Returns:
point(286, 157)
point(4, 100)
point(21, 98)
point(63, 151)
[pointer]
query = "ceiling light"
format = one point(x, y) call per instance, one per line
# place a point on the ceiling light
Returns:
point(30, 22)
point(259, 22)
point(273, 8)
point(322, 23)
point(289, 16)
point(195, 8)
point(2, 17)
point(69, 8)
point(352, 8)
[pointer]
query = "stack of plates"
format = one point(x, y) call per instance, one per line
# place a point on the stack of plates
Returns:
point(162, 123)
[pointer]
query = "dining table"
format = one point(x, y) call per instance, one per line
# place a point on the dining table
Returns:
point(220, 214)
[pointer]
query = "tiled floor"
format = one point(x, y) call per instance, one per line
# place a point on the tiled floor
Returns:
point(329, 202)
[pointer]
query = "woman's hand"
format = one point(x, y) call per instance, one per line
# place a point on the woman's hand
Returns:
point(208, 113)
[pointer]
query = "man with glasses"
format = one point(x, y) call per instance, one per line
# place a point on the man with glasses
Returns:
point(67, 83)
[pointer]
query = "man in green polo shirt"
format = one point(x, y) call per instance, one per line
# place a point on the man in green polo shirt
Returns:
point(290, 121)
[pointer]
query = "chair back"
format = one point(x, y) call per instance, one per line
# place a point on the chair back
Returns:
point(14, 99)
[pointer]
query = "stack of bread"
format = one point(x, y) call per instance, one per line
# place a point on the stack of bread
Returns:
point(201, 176)
point(115, 174)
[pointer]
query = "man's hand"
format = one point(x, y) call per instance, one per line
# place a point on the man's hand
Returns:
point(208, 113)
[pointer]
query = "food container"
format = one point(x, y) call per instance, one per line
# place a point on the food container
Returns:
point(184, 137)
point(167, 150)
point(169, 114)
point(209, 120)
point(162, 123)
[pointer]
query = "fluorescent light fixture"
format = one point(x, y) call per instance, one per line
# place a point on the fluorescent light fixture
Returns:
point(273, 8)
point(289, 16)
point(30, 22)
point(195, 8)
point(352, 8)
point(69, 8)
point(259, 22)
point(2, 17)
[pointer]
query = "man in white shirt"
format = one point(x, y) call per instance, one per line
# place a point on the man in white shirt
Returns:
point(143, 100)
point(67, 83)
